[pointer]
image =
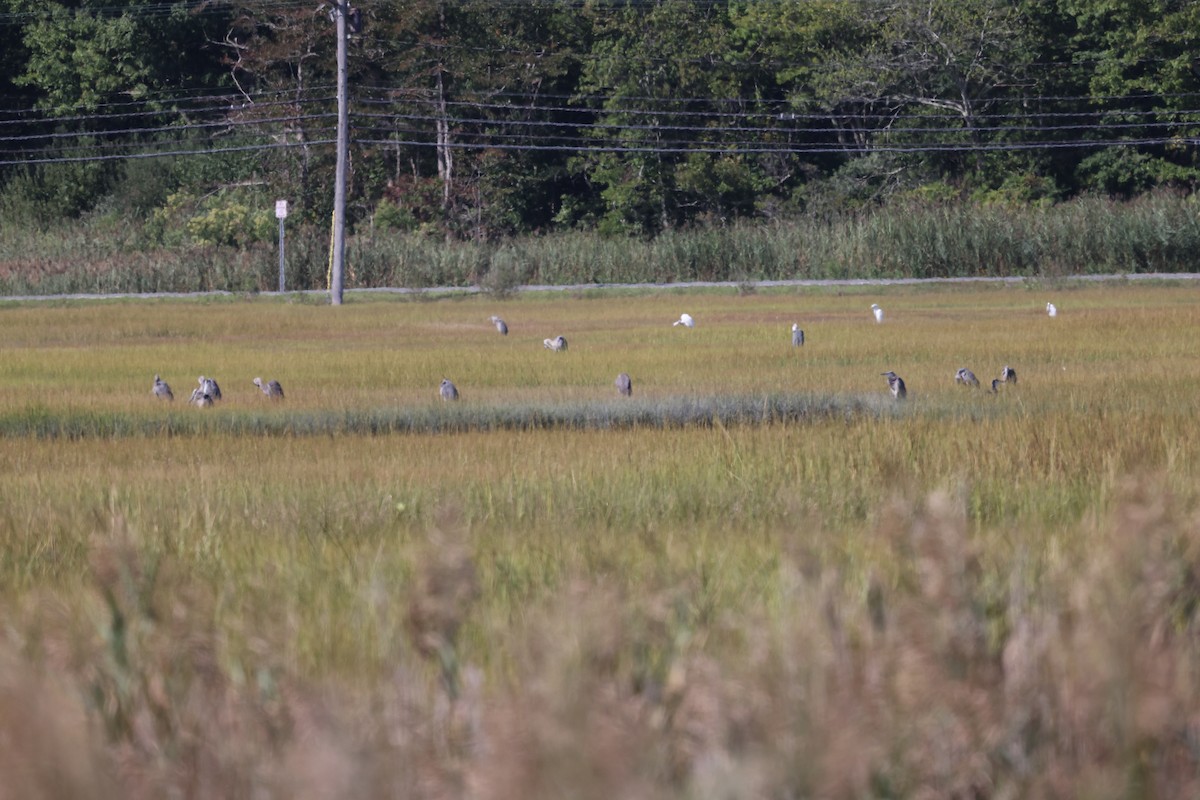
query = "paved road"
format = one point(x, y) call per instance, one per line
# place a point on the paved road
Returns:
point(579, 287)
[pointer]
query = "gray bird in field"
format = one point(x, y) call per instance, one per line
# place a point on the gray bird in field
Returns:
point(201, 398)
point(271, 389)
point(996, 383)
point(500, 326)
point(966, 377)
point(1008, 374)
point(797, 335)
point(448, 390)
point(624, 384)
point(209, 387)
point(556, 344)
point(161, 390)
point(896, 385)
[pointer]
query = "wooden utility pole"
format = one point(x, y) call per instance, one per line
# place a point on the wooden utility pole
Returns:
point(342, 8)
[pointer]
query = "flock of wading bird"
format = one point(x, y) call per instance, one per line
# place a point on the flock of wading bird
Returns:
point(208, 392)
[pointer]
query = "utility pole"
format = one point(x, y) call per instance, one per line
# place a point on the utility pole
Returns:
point(341, 9)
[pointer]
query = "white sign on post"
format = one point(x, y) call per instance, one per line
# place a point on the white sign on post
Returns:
point(281, 209)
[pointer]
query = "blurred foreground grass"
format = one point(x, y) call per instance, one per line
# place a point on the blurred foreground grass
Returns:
point(964, 595)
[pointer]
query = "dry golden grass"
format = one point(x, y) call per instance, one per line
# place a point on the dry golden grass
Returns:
point(972, 595)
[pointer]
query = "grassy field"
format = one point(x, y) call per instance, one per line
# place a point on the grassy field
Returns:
point(759, 577)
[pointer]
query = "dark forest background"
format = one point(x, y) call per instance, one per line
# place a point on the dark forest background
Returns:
point(485, 121)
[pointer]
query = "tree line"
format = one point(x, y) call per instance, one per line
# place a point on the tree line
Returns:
point(481, 119)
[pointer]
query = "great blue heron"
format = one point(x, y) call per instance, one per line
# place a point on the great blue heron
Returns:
point(556, 344)
point(1008, 374)
point(161, 390)
point(685, 320)
point(896, 385)
point(797, 335)
point(500, 326)
point(271, 389)
point(209, 387)
point(448, 390)
point(201, 398)
point(877, 311)
point(966, 377)
point(1052, 309)
point(624, 384)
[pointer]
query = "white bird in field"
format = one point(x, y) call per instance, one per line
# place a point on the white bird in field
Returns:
point(624, 384)
point(896, 385)
point(448, 391)
point(685, 320)
point(966, 377)
point(556, 344)
point(500, 326)
point(797, 335)
point(271, 389)
point(1052, 309)
point(877, 311)
point(161, 390)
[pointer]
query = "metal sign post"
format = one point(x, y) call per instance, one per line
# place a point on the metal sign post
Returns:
point(281, 215)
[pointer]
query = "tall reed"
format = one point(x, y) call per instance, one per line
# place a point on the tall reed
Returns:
point(1155, 233)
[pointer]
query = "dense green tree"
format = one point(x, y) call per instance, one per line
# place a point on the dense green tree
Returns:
point(1144, 68)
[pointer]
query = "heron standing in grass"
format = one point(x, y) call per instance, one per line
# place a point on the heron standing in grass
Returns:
point(1008, 374)
point(448, 390)
point(896, 385)
point(201, 398)
point(209, 387)
point(271, 389)
point(996, 383)
point(797, 335)
point(1052, 309)
point(556, 344)
point(624, 384)
point(966, 377)
point(878, 312)
point(161, 390)
point(500, 326)
point(685, 320)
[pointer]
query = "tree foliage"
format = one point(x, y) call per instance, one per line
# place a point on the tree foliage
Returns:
point(487, 118)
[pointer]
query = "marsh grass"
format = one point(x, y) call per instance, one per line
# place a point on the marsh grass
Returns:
point(1154, 233)
point(760, 577)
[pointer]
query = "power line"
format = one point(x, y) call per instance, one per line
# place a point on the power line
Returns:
point(168, 153)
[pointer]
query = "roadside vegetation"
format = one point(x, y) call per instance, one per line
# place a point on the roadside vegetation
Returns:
point(916, 239)
point(796, 588)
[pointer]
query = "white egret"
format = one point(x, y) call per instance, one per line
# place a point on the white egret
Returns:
point(685, 320)
point(1052, 309)
point(877, 311)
